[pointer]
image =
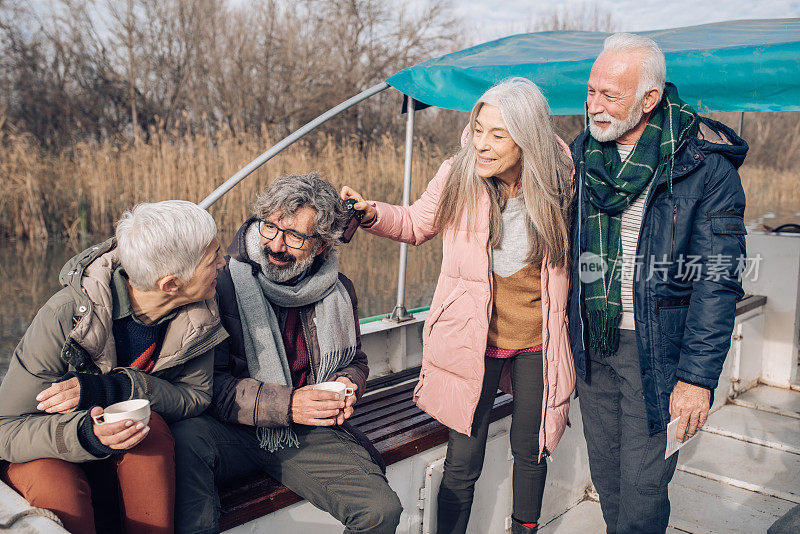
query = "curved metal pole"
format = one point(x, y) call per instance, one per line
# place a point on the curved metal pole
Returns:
point(276, 149)
point(400, 313)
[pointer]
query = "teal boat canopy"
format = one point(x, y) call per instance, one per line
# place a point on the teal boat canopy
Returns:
point(745, 65)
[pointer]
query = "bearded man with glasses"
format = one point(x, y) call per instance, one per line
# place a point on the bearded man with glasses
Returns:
point(293, 321)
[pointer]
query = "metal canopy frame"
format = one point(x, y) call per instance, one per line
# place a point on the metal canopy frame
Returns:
point(400, 313)
point(287, 141)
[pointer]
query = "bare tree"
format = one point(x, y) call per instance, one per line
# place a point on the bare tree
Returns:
point(584, 16)
point(181, 65)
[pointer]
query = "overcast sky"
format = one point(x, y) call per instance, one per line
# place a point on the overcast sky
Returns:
point(497, 18)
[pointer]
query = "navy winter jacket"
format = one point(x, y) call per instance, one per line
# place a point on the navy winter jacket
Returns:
point(684, 311)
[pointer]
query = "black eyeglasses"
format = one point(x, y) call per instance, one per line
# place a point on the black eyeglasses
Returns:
point(291, 238)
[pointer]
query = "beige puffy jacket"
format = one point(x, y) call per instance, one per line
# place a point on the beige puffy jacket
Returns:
point(73, 332)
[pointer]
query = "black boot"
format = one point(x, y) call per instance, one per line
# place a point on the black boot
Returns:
point(518, 527)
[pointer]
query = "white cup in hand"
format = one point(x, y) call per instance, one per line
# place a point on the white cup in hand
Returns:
point(135, 410)
point(337, 387)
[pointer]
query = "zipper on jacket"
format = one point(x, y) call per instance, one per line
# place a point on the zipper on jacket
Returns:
point(491, 282)
point(304, 325)
point(647, 199)
point(674, 227)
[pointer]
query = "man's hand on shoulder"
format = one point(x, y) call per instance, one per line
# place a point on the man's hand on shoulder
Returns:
point(315, 407)
point(691, 404)
point(349, 401)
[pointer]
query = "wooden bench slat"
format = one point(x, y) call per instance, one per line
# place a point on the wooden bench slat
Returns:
point(372, 397)
point(750, 302)
point(367, 413)
point(399, 413)
point(368, 403)
point(408, 424)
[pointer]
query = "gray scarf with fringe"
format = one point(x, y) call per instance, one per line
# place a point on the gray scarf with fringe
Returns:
point(263, 340)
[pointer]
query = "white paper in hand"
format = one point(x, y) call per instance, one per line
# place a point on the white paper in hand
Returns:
point(672, 440)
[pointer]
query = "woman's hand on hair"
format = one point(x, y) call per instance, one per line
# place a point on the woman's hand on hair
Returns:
point(361, 204)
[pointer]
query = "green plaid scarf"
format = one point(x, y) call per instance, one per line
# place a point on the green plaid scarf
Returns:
point(613, 185)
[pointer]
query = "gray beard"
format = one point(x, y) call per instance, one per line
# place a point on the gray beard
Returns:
point(280, 274)
point(616, 127)
point(273, 272)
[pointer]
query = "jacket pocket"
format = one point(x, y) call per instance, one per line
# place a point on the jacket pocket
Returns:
point(672, 321)
point(420, 381)
point(451, 342)
point(457, 291)
point(727, 243)
point(727, 222)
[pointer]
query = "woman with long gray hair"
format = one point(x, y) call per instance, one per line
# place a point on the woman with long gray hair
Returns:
point(502, 205)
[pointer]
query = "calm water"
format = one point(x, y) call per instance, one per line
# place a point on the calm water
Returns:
point(29, 276)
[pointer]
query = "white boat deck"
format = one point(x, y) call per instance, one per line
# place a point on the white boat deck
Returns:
point(739, 475)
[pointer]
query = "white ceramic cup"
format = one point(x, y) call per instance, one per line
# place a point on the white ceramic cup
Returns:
point(135, 410)
point(336, 387)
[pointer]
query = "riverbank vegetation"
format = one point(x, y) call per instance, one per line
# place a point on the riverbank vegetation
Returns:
point(107, 103)
point(83, 190)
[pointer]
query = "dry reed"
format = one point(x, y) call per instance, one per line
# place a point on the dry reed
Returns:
point(84, 191)
point(771, 190)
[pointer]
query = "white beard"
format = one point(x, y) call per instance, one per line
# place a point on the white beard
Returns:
point(616, 128)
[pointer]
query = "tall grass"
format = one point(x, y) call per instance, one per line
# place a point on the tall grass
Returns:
point(771, 190)
point(85, 190)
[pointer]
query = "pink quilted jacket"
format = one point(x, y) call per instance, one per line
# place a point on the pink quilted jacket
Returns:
point(456, 329)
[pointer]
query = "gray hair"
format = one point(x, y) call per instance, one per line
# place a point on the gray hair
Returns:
point(291, 192)
point(546, 179)
point(163, 238)
point(654, 66)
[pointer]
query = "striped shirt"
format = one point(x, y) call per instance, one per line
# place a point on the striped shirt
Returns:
point(631, 224)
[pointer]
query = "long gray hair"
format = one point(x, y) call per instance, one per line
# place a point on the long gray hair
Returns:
point(545, 181)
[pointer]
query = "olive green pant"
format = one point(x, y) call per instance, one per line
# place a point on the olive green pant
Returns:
point(329, 469)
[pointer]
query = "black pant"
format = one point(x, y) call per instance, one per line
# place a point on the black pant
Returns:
point(464, 460)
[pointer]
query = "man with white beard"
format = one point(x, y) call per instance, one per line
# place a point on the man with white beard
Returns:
point(658, 244)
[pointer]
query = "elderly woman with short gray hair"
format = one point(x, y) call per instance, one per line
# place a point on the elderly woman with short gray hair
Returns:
point(136, 320)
